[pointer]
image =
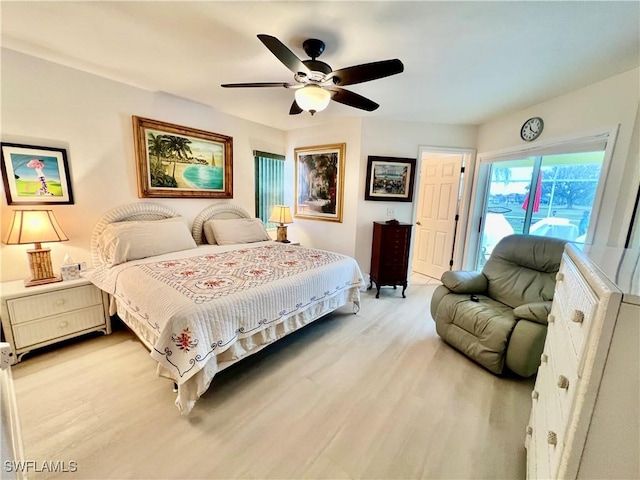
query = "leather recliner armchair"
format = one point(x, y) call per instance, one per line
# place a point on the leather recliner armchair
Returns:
point(498, 317)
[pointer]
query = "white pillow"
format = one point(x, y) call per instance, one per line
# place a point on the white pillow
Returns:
point(124, 241)
point(238, 230)
point(208, 232)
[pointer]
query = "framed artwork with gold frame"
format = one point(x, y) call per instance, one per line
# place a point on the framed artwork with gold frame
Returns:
point(319, 177)
point(183, 162)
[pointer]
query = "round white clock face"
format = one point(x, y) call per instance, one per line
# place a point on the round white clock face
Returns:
point(531, 129)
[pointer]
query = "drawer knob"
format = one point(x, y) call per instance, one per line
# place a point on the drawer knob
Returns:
point(60, 302)
point(563, 382)
point(578, 316)
point(529, 430)
point(544, 358)
point(551, 318)
point(559, 277)
point(535, 394)
point(552, 438)
point(64, 324)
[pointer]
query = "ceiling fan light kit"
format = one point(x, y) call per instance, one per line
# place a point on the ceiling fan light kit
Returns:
point(316, 84)
point(312, 98)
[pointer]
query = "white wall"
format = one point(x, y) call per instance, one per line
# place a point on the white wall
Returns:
point(398, 139)
point(363, 138)
point(610, 102)
point(334, 236)
point(47, 104)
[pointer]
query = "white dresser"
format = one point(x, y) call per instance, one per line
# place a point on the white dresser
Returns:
point(586, 402)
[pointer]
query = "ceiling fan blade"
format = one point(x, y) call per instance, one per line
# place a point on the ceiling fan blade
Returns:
point(295, 108)
point(351, 99)
point(286, 56)
point(366, 72)
point(259, 84)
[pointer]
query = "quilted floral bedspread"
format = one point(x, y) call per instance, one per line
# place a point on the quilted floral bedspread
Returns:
point(200, 301)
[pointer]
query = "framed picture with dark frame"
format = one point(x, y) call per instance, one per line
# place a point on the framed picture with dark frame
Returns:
point(35, 175)
point(390, 179)
point(183, 162)
point(319, 188)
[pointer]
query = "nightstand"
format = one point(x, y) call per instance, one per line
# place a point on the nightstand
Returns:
point(33, 317)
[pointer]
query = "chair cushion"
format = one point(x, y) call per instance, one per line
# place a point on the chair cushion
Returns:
point(480, 330)
point(522, 269)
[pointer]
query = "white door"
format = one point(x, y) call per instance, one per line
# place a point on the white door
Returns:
point(437, 209)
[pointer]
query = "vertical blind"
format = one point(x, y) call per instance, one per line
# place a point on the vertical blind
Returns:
point(269, 174)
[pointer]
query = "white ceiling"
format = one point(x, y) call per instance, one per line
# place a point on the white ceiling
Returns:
point(465, 62)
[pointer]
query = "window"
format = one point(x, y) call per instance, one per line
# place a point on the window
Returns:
point(565, 189)
point(269, 174)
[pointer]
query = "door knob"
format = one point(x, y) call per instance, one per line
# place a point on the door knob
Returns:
point(418, 223)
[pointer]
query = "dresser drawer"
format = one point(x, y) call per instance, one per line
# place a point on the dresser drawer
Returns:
point(36, 331)
point(25, 309)
point(539, 438)
point(578, 304)
point(530, 445)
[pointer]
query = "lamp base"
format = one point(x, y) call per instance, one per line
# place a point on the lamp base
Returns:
point(32, 283)
point(282, 234)
point(40, 266)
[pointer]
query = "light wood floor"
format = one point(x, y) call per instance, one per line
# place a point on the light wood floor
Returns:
point(373, 395)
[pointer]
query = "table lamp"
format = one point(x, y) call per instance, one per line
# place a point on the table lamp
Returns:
point(36, 226)
point(281, 214)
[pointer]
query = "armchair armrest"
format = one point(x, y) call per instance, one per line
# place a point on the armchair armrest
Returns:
point(534, 312)
point(461, 281)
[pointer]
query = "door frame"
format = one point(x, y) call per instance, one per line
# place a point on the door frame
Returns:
point(469, 163)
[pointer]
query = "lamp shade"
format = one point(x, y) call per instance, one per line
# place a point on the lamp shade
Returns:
point(281, 214)
point(34, 226)
point(313, 98)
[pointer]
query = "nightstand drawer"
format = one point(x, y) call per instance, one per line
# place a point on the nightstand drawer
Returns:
point(26, 334)
point(46, 304)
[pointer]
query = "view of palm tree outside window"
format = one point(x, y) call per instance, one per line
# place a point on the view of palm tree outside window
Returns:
point(564, 189)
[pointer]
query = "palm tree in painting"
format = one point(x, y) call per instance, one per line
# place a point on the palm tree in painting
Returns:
point(179, 148)
point(158, 147)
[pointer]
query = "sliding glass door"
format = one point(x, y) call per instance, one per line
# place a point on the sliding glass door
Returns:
point(564, 189)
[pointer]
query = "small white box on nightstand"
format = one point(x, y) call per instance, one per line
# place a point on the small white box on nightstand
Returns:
point(70, 272)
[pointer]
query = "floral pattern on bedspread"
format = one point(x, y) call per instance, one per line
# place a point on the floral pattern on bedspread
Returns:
point(207, 277)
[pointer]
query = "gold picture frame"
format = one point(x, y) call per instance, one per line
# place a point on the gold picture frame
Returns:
point(183, 162)
point(319, 188)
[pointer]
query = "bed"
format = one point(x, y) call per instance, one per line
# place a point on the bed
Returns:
point(201, 307)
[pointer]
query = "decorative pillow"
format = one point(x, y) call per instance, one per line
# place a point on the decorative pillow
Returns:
point(124, 241)
point(238, 230)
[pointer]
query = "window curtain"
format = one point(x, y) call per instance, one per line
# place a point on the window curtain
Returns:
point(269, 187)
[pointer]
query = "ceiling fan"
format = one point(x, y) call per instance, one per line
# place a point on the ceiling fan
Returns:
point(316, 83)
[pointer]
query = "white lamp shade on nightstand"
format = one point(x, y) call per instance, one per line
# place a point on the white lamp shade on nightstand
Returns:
point(37, 227)
point(281, 214)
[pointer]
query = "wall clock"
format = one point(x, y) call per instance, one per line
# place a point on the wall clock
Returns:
point(531, 129)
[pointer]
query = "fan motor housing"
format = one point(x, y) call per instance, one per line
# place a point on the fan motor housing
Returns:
point(317, 66)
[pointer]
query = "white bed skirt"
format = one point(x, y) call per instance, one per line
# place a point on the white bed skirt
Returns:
point(192, 389)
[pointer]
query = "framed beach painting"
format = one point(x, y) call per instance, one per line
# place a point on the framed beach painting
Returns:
point(390, 179)
point(35, 175)
point(319, 173)
point(175, 161)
